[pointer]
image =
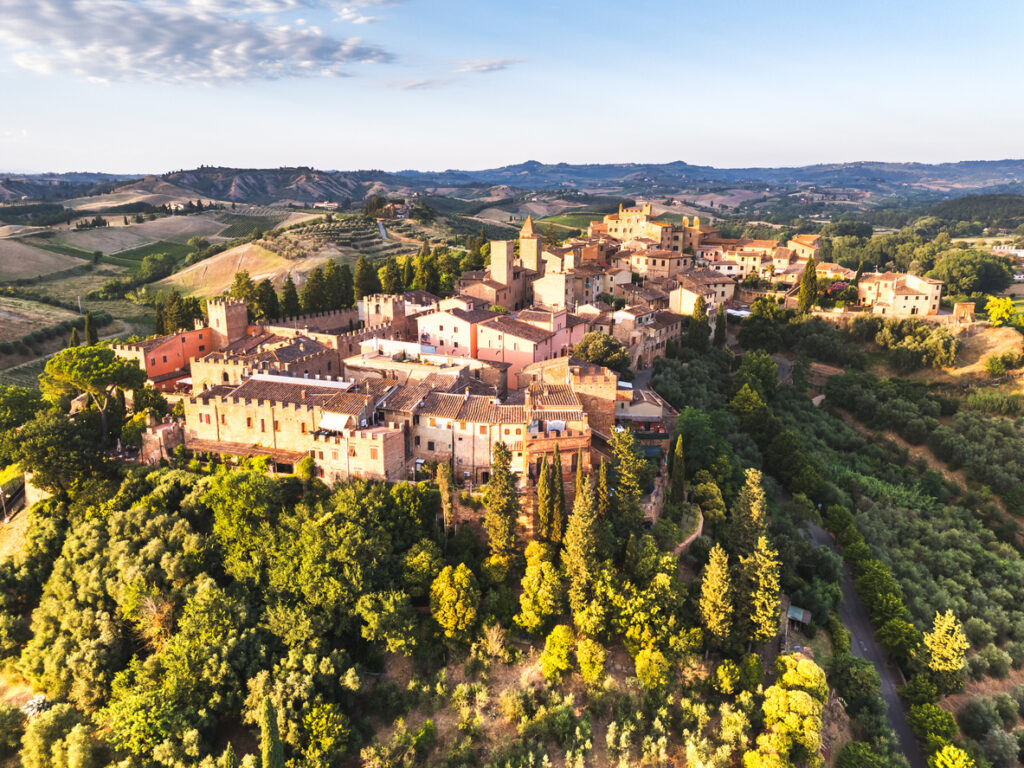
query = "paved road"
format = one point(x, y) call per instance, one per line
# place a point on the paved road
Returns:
point(863, 645)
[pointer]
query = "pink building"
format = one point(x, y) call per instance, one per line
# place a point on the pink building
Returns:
point(452, 331)
point(528, 337)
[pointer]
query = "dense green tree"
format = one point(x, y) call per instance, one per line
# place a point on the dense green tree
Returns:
point(808, 287)
point(590, 655)
point(973, 271)
point(602, 349)
point(271, 749)
point(332, 285)
point(290, 306)
point(543, 594)
point(454, 600)
point(266, 301)
point(391, 279)
point(427, 276)
point(951, 757)
point(720, 326)
point(716, 597)
point(556, 659)
point(580, 557)
point(89, 330)
point(502, 504)
point(18, 405)
point(408, 273)
point(243, 288)
point(95, 371)
point(557, 480)
point(389, 619)
point(698, 333)
point(749, 519)
point(346, 286)
point(61, 452)
point(631, 475)
point(677, 481)
point(421, 565)
point(314, 292)
point(365, 280)
point(227, 758)
point(946, 647)
point(757, 603)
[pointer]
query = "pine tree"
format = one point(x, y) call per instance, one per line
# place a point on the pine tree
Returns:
point(699, 331)
point(365, 280)
point(946, 647)
point(720, 326)
point(270, 738)
point(716, 597)
point(749, 514)
point(545, 500)
point(90, 331)
point(677, 483)
point(580, 556)
point(346, 286)
point(757, 606)
point(631, 474)
point(502, 504)
point(558, 507)
point(808, 287)
point(73, 341)
point(290, 298)
point(391, 281)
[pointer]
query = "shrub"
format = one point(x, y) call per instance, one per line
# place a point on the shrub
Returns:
point(12, 725)
point(1000, 749)
point(998, 661)
point(979, 631)
point(590, 655)
point(1006, 706)
point(977, 667)
point(840, 635)
point(751, 671)
point(1018, 696)
point(979, 716)
point(933, 725)
point(919, 690)
point(727, 676)
point(857, 754)
point(1016, 650)
point(555, 661)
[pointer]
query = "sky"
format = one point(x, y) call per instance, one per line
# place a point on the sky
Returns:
point(150, 86)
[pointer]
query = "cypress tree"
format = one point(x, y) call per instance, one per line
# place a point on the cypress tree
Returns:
point(365, 280)
point(580, 556)
point(677, 487)
point(501, 504)
point(749, 514)
point(314, 292)
point(266, 300)
point(604, 510)
point(227, 758)
point(391, 282)
point(270, 738)
point(332, 285)
point(90, 331)
point(720, 326)
point(346, 286)
point(73, 341)
point(699, 330)
point(716, 597)
point(630, 473)
point(545, 500)
point(290, 298)
point(808, 287)
point(408, 273)
point(860, 273)
point(758, 593)
point(445, 485)
point(558, 507)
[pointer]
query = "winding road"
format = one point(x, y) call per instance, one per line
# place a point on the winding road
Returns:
point(863, 645)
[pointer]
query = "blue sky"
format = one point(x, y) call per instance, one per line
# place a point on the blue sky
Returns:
point(156, 85)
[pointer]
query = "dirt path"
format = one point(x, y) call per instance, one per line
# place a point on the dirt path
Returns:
point(863, 645)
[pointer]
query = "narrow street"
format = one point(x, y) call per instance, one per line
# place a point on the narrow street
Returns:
point(863, 645)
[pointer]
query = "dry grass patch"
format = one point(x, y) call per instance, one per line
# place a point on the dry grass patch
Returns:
point(18, 317)
point(18, 260)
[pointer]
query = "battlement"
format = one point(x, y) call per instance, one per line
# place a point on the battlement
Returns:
point(324, 318)
point(225, 301)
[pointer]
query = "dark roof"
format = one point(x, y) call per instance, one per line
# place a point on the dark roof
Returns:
point(420, 297)
point(518, 329)
point(302, 392)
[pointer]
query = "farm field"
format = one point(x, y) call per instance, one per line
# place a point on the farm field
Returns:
point(19, 316)
point(23, 375)
point(213, 276)
point(152, 191)
point(576, 220)
point(134, 256)
point(116, 238)
point(19, 260)
point(240, 225)
point(139, 319)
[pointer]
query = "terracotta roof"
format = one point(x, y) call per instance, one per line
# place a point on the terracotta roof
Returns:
point(420, 297)
point(302, 392)
point(665, 319)
point(406, 398)
point(440, 404)
point(350, 403)
point(694, 277)
point(565, 415)
point(553, 396)
point(512, 327)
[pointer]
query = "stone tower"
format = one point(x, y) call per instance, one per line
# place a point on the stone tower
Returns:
point(530, 246)
point(229, 321)
point(501, 261)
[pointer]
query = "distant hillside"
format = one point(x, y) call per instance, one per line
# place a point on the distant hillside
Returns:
point(55, 186)
point(1002, 210)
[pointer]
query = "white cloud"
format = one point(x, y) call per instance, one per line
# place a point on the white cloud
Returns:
point(199, 41)
point(483, 66)
point(353, 16)
point(423, 84)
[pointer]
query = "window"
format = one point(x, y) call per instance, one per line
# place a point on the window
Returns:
point(456, 345)
point(351, 450)
point(277, 425)
point(483, 429)
point(433, 421)
point(222, 419)
point(416, 419)
point(373, 454)
point(462, 425)
point(202, 347)
point(334, 455)
point(248, 422)
point(207, 418)
point(152, 361)
point(263, 425)
point(430, 445)
point(200, 336)
point(182, 339)
point(303, 427)
point(417, 441)
point(225, 377)
point(165, 358)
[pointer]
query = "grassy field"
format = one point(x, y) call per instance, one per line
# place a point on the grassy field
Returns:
point(572, 220)
point(23, 375)
point(242, 225)
point(18, 317)
point(214, 275)
point(19, 260)
point(177, 250)
point(139, 318)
